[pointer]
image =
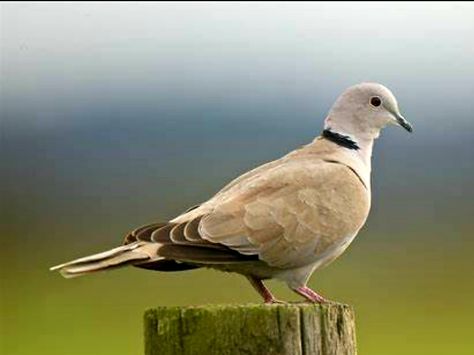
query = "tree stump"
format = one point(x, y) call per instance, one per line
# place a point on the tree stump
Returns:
point(280, 329)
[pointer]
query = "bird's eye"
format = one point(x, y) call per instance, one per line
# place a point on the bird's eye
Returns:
point(375, 101)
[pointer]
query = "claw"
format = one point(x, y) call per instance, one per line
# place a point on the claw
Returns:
point(310, 295)
point(274, 301)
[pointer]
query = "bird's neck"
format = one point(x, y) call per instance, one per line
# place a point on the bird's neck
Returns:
point(361, 147)
point(365, 151)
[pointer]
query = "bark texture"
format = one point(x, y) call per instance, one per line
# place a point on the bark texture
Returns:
point(283, 329)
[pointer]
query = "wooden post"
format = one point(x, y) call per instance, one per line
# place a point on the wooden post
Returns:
point(281, 329)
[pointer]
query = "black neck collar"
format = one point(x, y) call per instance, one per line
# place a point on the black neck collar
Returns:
point(340, 139)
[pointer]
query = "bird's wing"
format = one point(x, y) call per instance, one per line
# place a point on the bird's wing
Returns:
point(181, 247)
point(291, 214)
point(285, 212)
point(284, 216)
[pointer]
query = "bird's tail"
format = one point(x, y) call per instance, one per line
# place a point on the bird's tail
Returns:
point(133, 253)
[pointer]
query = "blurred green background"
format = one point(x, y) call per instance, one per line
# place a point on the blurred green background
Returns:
point(116, 115)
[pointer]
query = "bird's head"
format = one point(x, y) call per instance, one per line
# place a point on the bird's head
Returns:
point(363, 110)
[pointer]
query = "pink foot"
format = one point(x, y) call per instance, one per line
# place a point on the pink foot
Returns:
point(309, 294)
point(263, 291)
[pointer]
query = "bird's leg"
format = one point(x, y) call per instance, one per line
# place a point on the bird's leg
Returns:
point(309, 294)
point(262, 290)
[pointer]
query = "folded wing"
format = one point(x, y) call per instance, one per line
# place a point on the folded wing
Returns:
point(286, 217)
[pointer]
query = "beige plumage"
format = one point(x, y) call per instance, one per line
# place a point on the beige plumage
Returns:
point(282, 220)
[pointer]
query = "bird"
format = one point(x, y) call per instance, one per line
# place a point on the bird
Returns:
point(282, 220)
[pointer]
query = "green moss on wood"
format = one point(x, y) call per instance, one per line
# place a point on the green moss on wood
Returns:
point(304, 329)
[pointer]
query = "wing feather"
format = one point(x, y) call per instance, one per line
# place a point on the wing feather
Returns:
point(286, 213)
point(292, 215)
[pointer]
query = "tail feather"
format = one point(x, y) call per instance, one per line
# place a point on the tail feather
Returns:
point(127, 254)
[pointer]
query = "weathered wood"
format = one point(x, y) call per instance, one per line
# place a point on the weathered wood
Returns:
point(283, 329)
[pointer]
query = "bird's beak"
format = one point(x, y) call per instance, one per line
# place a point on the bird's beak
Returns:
point(402, 122)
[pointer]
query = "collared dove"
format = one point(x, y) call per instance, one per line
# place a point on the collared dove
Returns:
point(281, 220)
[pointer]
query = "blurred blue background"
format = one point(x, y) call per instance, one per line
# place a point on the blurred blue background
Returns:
point(118, 114)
